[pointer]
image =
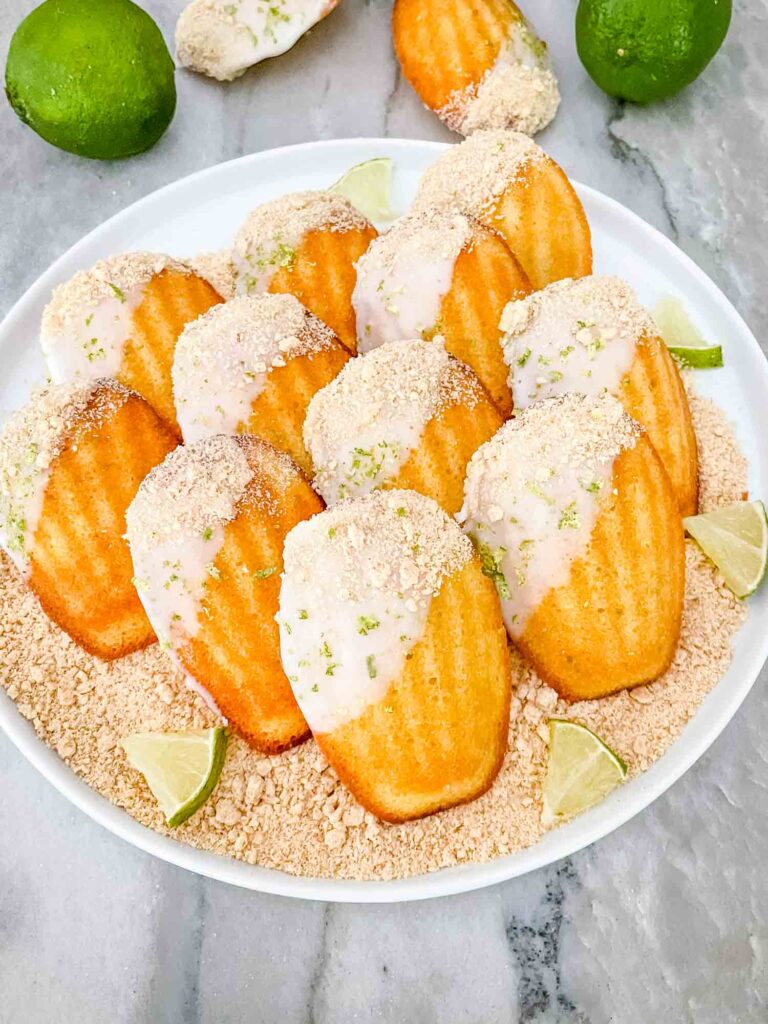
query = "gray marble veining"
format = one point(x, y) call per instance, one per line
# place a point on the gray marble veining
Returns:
point(663, 921)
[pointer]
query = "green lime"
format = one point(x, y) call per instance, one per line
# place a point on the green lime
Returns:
point(181, 768)
point(581, 771)
point(646, 50)
point(368, 186)
point(682, 339)
point(735, 537)
point(94, 78)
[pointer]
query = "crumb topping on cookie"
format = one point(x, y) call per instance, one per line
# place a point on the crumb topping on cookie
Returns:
point(533, 493)
point(573, 335)
point(271, 234)
point(473, 175)
point(519, 91)
point(404, 274)
point(30, 442)
point(361, 427)
point(222, 359)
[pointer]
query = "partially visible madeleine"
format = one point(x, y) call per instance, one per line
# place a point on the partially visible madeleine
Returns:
point(71, 462)
point(404, 415)
point(506, 181)
point(441, 273)
point(395, 647)
point(306, 244)
point(251, 366)
point(206, 531)
point(121, 319)
point(592, 335)
point(222, 39)
point(476, 64)
point(576, 522)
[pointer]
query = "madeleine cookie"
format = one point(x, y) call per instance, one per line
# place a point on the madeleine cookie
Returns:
point(251, 366)
point(440, 273)
point(223, 38)
point(394, 644)
point(71, 462)
point(576, 522)
point(507, 182)
point(305, 244)
point(592, 336)
point(476, 63)
point(121, 319)
point(405, 415)
point(206, 532)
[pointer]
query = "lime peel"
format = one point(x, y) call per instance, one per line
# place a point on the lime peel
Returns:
point(735, 538)
point(180, 768)
point(581, 771)
point(368, 186)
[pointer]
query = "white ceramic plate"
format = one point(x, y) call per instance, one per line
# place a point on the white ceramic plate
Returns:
point(203, 212)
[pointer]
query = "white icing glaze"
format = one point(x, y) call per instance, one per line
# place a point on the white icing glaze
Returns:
point(223, 358)
point(92, 345)
point(19, 525)
point(361, 428)
point(223, 38)
point(571, 336)
point(403, 276)
point(170, 580)
point(534, 491)
point(355, 597)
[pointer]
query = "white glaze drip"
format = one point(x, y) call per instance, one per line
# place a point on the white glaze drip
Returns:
point(93, 343)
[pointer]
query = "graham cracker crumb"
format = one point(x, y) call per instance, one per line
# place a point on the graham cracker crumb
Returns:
point(218, 270)
point(289, 811)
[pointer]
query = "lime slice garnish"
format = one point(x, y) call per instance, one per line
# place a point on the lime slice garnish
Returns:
point(684, 342)
point(580, 772)
point(735, 537)
point(368, 186)
point(181, 768)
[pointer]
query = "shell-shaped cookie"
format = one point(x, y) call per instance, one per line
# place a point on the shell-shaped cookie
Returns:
point(71, 462)
point(440, 272)
point(577, 523)
point(592, 335)
point(395, 646)
point(506, 181)
point(251, 366)
point(404, 415)
point(206, 532)
point(306, 244)
point(477, 65)
point(122, 319)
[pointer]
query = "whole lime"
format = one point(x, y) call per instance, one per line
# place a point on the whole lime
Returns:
point(94, 78)
point(645, 50)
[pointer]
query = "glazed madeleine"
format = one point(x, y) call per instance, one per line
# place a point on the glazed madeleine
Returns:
point(122, 319)
point(591, 336)
point(251, 366)
point(477, 65)
point(223, 39)
point(577, 523)
point(394, 643)
point(404, 415)
point(305, 244)
point(507, 182)
point(71, 462)
point(441, 273)
point(206, 533)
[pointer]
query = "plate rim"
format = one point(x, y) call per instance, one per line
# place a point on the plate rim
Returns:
point(594, 824)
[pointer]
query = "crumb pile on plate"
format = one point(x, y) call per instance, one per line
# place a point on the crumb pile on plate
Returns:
point(289, 811)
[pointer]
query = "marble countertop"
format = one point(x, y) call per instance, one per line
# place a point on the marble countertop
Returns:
point(666, 920)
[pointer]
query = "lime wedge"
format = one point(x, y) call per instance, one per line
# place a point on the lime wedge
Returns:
point(735, 537)
point(682, 339)
point(181, 768)
point(580, 772)
point(368, 186)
